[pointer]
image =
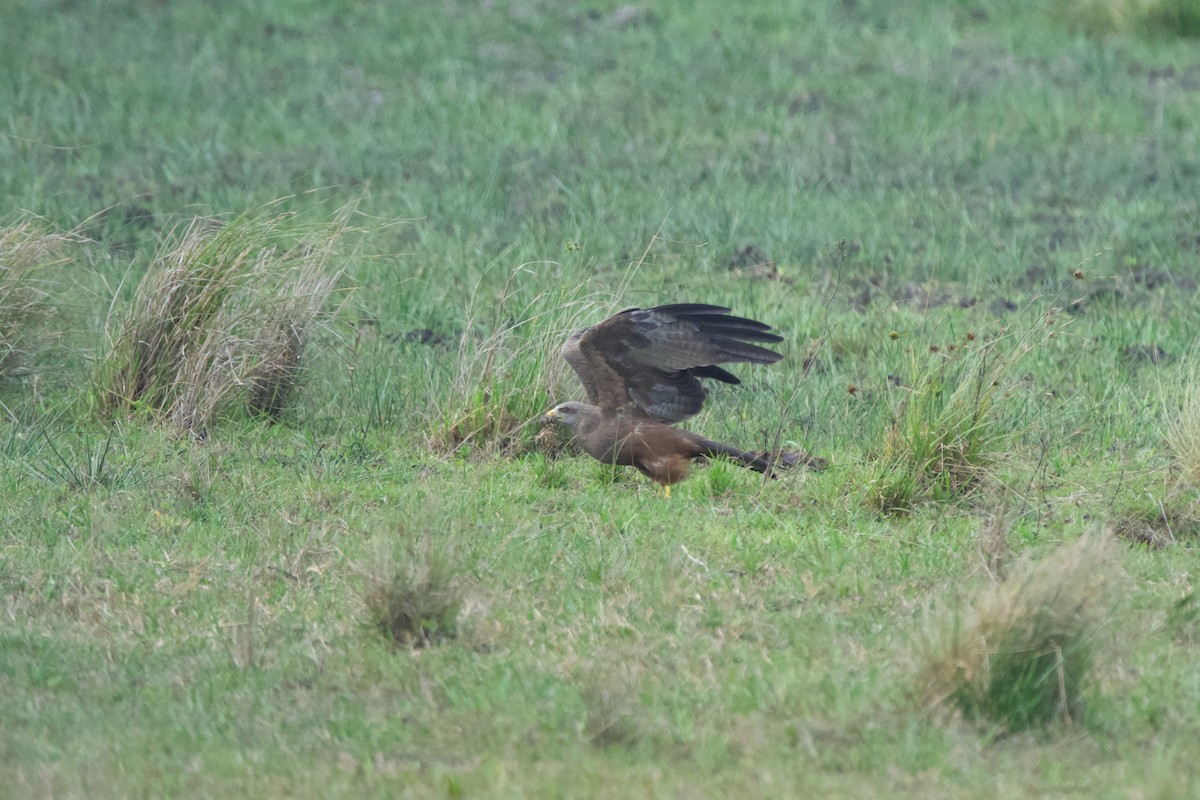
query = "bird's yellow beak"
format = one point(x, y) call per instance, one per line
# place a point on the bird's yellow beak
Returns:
point(551, 415)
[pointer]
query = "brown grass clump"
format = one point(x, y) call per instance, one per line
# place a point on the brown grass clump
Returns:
point(415, 600)
point(27, 251)
point(224, 314)
point(507, 375)
point(1020, 655)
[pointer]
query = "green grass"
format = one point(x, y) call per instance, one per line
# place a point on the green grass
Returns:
point(1147, 17)
point(241, 615)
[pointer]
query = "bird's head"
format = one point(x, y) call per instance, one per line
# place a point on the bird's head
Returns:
point(568, 414)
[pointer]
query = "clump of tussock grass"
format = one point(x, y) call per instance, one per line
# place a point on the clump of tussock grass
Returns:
point(1147, 17)
point(414, 599)
point(1181, 422)
point(1167, 512)
point(1019, 656)
point(611, 687)
point(509, 368)
point(720, 478)
point(613, 720)
point(224, 315)
point(27, 252)
point(947, 429)
point(85, 468)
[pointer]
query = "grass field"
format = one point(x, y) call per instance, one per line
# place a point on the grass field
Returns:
point(976, 225)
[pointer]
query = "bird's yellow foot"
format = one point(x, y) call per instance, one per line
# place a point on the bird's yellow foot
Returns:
point(667, 491)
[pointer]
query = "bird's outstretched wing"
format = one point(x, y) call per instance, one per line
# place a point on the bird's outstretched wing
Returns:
point(649, 362)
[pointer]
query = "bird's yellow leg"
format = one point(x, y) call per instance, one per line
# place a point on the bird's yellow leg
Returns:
point(667, 491)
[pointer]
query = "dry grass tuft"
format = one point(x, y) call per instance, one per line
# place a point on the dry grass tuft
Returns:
point(1181, 423)
point(415, 600)
point(611, 687)
point(1019, 656)
point(947, 430)
point(27, 251)
point(509, 371)
point(224, 313)
point(613, 719)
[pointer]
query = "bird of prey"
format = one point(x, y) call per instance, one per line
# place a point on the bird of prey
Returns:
point(642, 370)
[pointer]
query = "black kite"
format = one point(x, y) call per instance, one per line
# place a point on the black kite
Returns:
point(641, 369)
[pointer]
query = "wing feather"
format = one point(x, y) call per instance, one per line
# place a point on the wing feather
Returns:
point(649, 362)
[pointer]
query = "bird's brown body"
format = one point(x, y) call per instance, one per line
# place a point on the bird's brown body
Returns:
point(660, 452)
point(642, 369)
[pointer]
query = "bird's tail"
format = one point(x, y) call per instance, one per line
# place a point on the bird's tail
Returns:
point(760, 460)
